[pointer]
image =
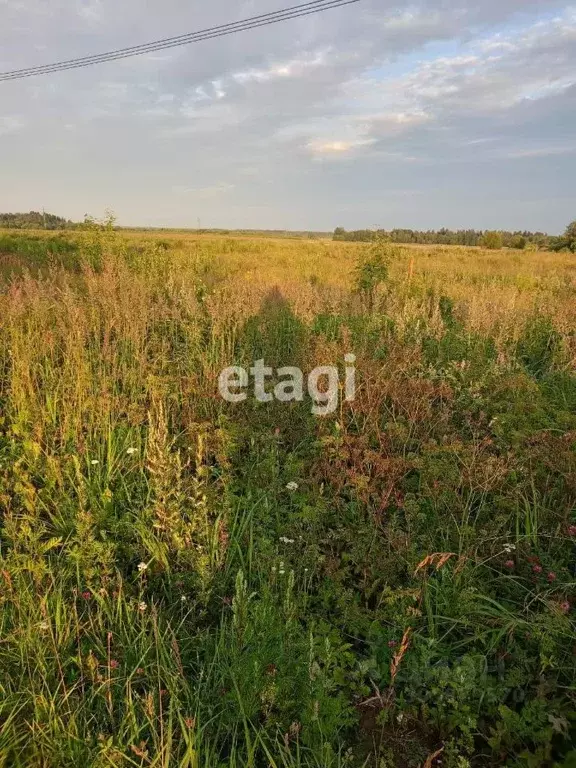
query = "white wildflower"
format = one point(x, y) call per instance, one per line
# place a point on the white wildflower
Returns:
point(142, 606)
point(142, 567)
point(286, 540)
point(183, 599)
point(94, 462)
point(509, 548)
point(130, 451)
point(292, 486)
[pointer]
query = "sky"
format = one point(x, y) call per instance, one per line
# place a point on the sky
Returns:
point(443, 113)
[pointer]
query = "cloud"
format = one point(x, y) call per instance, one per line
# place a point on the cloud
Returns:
point(498, 72)
point(336, 147)
point(489, 78)
point(309, 122)
point(297, 67)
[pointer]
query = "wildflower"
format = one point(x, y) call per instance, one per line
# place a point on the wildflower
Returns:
point(392, 643)
point(142, 606)
point(551, 576)
point(286, 540)
point(142, 567)
point(183, 599)
point(572, 530)
point(190, 722)
point(140, 671)
point(43, 625)
point(130, 451)
point(114, 664)
point(94, 462)
point(292, 486)
point(565, 607)
point(277, 431)
point(509, 548)
point(537, 568)
point(86, 595)
point(509, 563)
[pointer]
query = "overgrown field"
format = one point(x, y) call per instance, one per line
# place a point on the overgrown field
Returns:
point(191, 583)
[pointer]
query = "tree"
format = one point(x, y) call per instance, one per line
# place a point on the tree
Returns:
point(570, 236)
point(492, 240)
point(518, 242)
point(568, 240)
point(33, 220)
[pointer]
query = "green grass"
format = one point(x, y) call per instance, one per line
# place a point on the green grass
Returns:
point(169, 598)
point(35, 253)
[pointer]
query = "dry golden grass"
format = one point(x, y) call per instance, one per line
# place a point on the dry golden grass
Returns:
point(170, 591)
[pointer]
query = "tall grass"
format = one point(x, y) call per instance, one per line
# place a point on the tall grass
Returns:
point(186, 582)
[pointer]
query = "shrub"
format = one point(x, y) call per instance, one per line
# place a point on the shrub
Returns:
point(492, 240)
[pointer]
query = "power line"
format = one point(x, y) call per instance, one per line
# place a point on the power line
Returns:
point(297, 11)
point(179, 40)
point(294, 12)
point(269, 18)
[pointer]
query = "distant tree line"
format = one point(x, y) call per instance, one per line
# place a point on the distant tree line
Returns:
point(33, 220)
point(487, 239)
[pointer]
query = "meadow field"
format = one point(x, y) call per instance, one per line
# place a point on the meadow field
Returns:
point(191, 583)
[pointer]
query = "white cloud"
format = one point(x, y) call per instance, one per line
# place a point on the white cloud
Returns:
point(296, 67)
point(336, 147)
